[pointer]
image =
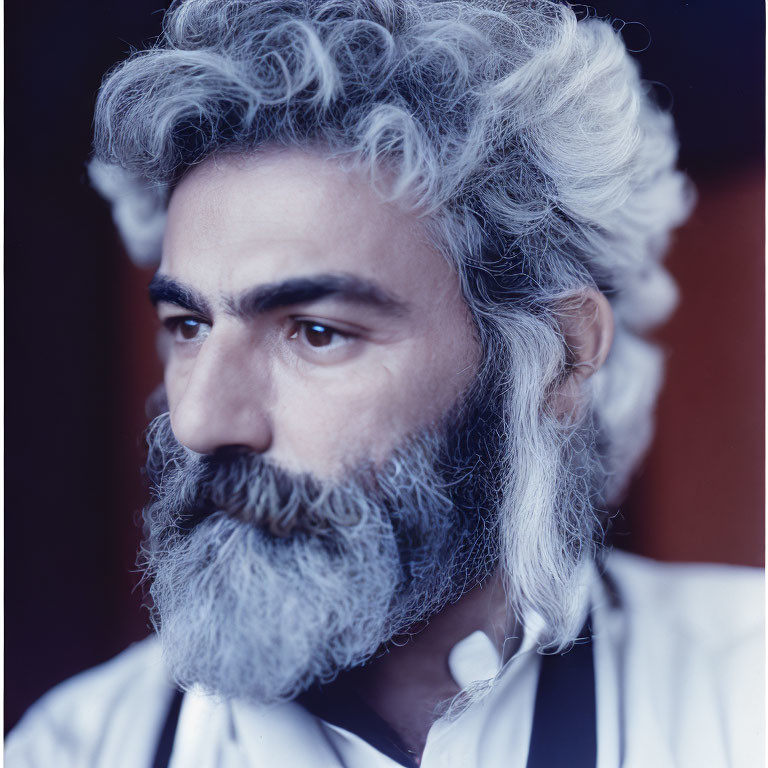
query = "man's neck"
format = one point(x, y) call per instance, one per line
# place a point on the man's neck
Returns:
point(408, 684)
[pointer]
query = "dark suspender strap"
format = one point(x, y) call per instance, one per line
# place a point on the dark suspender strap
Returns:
point(168, 734)
point(564, 733)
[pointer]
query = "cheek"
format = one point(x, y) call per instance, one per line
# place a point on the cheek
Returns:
point(323, 425)
point(174, 378)
point(177, 377)
point(365, 414)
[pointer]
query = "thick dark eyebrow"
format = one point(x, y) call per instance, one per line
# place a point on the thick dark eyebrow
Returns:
point(166, 289)
point(300, 290)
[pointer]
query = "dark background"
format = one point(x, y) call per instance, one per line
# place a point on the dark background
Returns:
point(79, 333)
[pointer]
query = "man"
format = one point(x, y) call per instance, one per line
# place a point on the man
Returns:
point(406, 251)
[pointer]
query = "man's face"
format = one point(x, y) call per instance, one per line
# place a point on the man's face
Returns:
point(308, 321)
point(312, 328)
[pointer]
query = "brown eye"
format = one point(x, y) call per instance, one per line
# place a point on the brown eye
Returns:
point(186, 329)
point(189, 328)
point(318, 335)
point(318, 339)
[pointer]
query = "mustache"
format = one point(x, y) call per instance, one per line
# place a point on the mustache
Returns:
point(247, 487)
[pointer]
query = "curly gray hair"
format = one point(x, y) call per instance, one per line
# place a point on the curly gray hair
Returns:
point(525, 139)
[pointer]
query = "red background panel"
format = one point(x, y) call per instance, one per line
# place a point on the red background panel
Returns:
point(700, 495)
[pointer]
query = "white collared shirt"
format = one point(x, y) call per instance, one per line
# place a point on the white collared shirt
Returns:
point(678, 653)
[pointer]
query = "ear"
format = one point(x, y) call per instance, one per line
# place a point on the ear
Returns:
point(586, 323)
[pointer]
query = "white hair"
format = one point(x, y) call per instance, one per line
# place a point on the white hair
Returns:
point(525, 139)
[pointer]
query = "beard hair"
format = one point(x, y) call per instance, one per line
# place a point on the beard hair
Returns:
point(264, 582)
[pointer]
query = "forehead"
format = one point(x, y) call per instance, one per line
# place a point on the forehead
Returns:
point(239, 220)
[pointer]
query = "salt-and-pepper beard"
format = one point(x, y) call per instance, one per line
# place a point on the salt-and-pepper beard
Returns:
point(264, 582)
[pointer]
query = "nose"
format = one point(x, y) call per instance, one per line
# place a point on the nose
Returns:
point(218, 401)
